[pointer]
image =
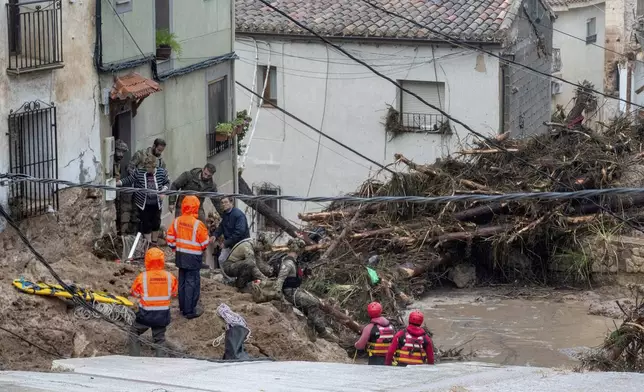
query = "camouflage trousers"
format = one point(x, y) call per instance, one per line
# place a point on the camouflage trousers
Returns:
point(241, 264)
point(308, 304)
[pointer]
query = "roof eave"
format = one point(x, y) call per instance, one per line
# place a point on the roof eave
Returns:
point(371, 39)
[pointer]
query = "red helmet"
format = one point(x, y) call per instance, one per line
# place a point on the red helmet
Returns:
point(416, 318)
point(374, 309)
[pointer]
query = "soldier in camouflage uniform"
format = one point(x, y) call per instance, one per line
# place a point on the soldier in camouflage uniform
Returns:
point(241, 264)
point(199, 180)
point(138, 159)
point(120, 148)
point(289, 279)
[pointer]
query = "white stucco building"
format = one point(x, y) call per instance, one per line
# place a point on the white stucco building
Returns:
point(577, 41)
point(49, 100)
point(346, 101)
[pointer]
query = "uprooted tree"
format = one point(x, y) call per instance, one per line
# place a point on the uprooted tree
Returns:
point(419, 243)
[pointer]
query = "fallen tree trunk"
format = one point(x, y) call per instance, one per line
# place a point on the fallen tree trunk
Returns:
point(338, 239)
point(456, 236)
point(487, 151)
point(337, 214)
point(410, 270)
point(419, 168)
point(484, 212)
point(340, 316)
point(269, 213)
point(614, 204)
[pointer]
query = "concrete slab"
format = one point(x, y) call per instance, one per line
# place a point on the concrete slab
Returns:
point(118, 373)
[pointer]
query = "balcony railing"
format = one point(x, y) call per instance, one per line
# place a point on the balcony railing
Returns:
point(35, 32)
point(429, 123)
point(214, 146)
point(556, 60)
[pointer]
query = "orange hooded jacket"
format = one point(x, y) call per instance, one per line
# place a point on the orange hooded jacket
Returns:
point(155, 286)
point(188, 236)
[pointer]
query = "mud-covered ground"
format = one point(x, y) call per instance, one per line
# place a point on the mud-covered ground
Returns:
point(66, 241)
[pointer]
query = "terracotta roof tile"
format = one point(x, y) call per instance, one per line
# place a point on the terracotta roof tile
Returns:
point(474, 20)
point(133, 86)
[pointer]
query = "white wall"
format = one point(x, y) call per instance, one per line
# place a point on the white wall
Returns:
point(73, 89)
point(348, 102)
point(579, 60)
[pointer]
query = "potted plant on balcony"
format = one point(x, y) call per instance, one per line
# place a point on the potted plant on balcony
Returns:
point(224, 131)
point(166, 43)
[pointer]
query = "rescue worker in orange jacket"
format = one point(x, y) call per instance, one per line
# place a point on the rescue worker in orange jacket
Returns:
point(188, 237)
point(154, 287)
point(376, 336)
point(412, 345)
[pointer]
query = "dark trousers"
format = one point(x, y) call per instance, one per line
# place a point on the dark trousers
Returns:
point(189, 290)
point(376, 360)
point(158, 336)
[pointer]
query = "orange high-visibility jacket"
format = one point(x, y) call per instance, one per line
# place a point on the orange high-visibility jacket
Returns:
point(188, 236)
point(155, 286)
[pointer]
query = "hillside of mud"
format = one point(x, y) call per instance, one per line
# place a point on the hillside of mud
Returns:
point(66, 239)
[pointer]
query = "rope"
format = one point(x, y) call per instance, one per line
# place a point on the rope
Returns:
point(520, 196)
point(232, 319)
point(113, 312)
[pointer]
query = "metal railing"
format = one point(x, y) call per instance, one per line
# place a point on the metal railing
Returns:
point(556, 60)
point(35, 32)
point(214, 146)
point(430, 123)
point(33, 151)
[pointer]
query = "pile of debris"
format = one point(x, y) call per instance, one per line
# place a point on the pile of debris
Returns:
point(420, 244)
point(623, 348)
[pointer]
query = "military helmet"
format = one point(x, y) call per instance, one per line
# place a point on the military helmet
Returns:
point(295, 245)
point(120, 145)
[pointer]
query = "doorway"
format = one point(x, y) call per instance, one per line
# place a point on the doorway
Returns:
point(122, 129)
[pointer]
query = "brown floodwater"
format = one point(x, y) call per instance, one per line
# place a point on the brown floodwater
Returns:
point(515, 331)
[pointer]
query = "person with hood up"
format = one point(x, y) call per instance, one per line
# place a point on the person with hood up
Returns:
point(188, 237)
point(376, 336)
point(412, 345)
point(153, 287)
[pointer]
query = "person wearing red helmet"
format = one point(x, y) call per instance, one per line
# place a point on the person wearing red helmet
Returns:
point(376, 336)
point(412, 345)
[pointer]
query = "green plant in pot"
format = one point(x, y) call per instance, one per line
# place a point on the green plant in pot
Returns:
point(166, 43)
point(224, 131)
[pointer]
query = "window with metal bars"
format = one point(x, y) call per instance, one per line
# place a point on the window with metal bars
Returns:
point(35, 35)
point(268, 189)
point(217, 113)
point(33, 151)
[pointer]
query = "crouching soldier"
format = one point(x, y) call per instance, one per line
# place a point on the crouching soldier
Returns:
point(153, 287)
point(289, 279)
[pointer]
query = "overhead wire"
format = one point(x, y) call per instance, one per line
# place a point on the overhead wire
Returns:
point(462, 44)
point(445, 114)
point(506, 197)
point(309, 137)
point(378, 164)
point(29, 342)
point(80, 300)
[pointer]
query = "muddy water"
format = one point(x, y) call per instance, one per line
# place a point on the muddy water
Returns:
point(515, 331)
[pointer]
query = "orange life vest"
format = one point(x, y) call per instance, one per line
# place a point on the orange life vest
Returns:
point(411, 350)
point(157, 289)
point(379, 340)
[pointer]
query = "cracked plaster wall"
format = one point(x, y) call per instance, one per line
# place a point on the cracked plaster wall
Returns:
point(73, 89)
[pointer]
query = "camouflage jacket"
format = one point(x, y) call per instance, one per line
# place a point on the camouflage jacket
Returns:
point(287, 269)
point(191, 181)
point(139, 157)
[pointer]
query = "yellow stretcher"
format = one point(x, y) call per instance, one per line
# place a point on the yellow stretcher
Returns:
point(54, 290)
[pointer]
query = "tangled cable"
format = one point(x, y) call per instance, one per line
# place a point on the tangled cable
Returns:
point(232, 319)
point(113, 312)
point(520, 196)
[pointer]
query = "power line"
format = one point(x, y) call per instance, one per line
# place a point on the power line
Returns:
point(80, 300)
point(318, 131)
point(462, 44)
point(56, 354)
point(507, 197)
point(488, 140)
point(310, 138)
